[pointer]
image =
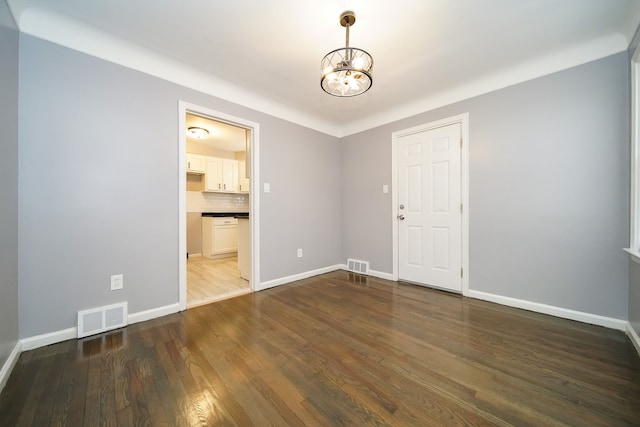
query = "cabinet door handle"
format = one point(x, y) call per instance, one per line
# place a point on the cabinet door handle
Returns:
point(188, 165)
point(218, 186)
point(225, 186)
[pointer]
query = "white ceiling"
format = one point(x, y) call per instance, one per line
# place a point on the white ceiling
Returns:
point(222, 136)
point(266, 54)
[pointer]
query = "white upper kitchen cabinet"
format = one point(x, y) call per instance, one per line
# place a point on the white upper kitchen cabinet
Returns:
point(221, 175)
point(243, 181)
point(196, 163)
point(230, 175)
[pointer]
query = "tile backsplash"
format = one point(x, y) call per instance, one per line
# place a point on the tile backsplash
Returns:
point(198, 201)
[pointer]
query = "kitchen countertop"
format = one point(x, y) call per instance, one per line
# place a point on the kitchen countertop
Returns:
point(226, 214)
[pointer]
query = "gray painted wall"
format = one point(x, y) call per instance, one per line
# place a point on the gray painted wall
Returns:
point(8, 183)
point(94, 202)
point(549, 186)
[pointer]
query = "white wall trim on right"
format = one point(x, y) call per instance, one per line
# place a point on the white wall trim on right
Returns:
point(633, 336)
point(634, 197)
point(565, 313)
point(9, 364)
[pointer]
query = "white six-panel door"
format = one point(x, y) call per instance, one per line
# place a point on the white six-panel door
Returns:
point(429, 207)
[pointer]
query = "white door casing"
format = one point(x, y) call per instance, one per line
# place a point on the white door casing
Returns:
point(430, 225)
point(254, 196)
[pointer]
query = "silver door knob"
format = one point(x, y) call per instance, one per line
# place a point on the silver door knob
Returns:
point(401, 217)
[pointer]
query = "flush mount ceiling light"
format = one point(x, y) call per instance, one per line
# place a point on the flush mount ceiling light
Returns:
point(346, 71)
point(197, 132)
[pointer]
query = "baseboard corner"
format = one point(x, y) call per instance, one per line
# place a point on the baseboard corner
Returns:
point(633, 336)
point(9, 364)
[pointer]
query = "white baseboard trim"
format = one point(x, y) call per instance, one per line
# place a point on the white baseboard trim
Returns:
point(380, 275)
point(299, 276)
point(633, 336)
point(38, 341)
point(31, 343)
point(8, 366)
point(372, 273)
point(565, 313)
point(154, 313)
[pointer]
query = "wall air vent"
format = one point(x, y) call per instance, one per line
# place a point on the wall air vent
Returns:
point(102, 319)
point(357, 266)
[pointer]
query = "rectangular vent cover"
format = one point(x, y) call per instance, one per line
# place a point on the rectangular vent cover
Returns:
point(101, 319)
point(357, 266)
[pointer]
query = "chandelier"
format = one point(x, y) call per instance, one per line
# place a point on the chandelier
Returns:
point(346, 71)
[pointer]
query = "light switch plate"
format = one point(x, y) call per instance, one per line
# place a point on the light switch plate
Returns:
point(117, 282)
point(385, 189)
point(267, 187)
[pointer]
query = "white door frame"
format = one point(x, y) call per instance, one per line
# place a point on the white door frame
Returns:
point(463, 120)
point(254, 194)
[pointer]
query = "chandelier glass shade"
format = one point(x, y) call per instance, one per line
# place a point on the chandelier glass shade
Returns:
point(346, 71)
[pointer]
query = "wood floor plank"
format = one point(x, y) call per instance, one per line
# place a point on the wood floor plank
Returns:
point(92, 397)
point(31, 389)
point(71, 391)
point(335, 349)
point(51, 385)
point(108, 409)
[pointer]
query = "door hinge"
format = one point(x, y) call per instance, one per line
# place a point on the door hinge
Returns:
point(461, 272)
point(461, 209)
point(460, 142)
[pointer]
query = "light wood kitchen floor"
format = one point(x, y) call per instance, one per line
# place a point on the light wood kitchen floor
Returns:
point(210, 280)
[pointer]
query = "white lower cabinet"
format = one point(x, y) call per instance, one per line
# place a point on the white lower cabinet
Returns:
point(219, 236)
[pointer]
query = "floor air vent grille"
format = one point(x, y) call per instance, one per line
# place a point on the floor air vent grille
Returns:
point(356, 266)
point(102, 319)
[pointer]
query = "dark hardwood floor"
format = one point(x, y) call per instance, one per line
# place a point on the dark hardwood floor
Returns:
point(336, 349)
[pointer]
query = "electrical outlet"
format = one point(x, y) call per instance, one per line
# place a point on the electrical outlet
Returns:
point(117, 282)
point(299, 253)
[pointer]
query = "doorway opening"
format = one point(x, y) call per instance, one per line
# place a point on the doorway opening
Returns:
point(218, 209)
